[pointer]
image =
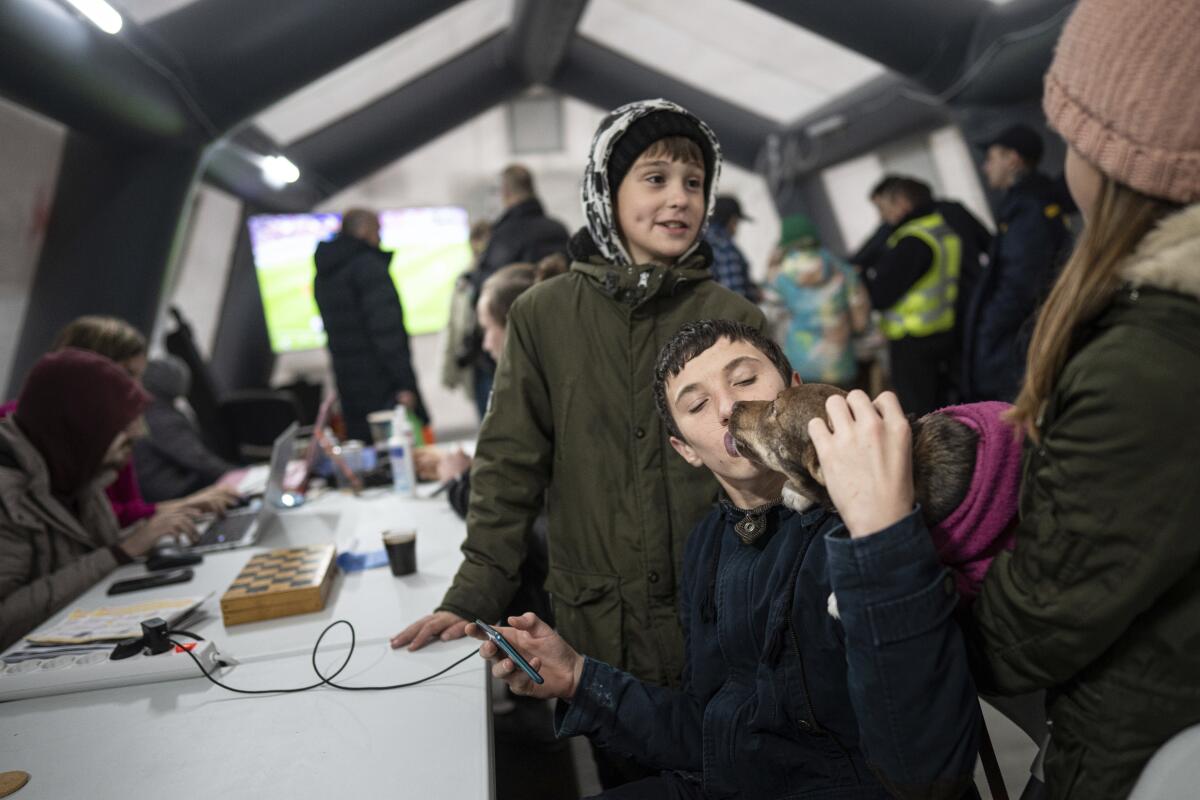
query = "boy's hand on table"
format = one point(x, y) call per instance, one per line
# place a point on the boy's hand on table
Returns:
point(440, 625)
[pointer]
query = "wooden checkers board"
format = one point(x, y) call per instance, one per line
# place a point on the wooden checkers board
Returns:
point(279, 583)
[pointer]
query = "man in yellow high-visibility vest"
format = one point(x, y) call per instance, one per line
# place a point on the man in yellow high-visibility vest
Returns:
point(915, 287)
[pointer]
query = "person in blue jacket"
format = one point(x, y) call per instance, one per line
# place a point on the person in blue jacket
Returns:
point(779, 698)
point(1032, 242)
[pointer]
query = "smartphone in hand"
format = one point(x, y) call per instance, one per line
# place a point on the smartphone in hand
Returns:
point(509, 651)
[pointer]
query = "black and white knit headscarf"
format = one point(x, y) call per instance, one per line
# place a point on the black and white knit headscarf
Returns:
point(598, 207)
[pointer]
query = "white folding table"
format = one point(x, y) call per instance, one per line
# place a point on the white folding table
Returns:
point(192, 739)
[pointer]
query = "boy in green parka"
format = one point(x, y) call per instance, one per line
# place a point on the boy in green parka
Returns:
point(572, 425)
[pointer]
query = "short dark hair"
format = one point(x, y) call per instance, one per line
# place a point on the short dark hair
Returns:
point(356, 221)
point(886, 184)
point(916, 191)
point(675, 148)
point(693, 339)
point(517, 180)
point(504, 286)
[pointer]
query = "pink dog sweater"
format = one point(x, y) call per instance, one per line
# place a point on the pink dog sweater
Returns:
point(985, 521)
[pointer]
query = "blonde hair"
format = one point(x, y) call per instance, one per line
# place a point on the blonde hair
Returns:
point(111, 337)
point(480, 231)
point(1122, 217)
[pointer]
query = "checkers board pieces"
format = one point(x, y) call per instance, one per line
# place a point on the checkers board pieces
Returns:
point(280, 583)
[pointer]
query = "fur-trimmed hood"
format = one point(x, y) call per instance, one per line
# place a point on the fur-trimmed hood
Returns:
point(1169, 256)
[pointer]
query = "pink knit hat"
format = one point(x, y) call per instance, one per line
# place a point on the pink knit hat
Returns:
point(1124, 91)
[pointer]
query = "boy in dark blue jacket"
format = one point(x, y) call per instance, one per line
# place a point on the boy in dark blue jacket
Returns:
point(780, 699)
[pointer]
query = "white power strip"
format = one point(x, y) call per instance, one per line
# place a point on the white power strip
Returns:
point(82, 673)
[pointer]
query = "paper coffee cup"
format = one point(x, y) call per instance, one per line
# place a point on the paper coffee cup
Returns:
point(401, 547)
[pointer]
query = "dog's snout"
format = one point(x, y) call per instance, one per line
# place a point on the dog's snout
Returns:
point(736, 412)
point(745, 418)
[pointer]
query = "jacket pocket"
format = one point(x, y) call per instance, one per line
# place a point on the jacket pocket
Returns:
point(562, 420)
point(895, 621)
point(587, 613)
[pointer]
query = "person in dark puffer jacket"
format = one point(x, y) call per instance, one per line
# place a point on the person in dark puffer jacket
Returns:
point(365, 324)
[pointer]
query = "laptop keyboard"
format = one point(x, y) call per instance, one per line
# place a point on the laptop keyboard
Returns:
point(226, 529)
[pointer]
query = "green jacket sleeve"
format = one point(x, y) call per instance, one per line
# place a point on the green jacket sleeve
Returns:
point(508, 478)
point(1109, 512)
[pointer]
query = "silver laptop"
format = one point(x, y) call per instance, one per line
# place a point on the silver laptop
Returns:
point(242, 527)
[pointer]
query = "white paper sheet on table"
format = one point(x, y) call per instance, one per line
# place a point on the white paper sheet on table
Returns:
point(112, 623)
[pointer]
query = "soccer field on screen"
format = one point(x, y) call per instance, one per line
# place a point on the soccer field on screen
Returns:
point(430, 251)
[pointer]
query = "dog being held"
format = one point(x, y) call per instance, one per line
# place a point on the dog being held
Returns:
point(966, 470)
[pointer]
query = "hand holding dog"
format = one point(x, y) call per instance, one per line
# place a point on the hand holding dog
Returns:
point(866, 460)
point(555, 660)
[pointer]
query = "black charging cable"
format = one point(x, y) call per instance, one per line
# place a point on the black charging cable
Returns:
point(325, 680)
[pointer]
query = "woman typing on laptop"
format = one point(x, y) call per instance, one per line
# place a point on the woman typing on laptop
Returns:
point(124, 345)
point(58, 533)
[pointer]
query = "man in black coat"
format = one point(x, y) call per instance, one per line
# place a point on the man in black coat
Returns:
point(523, 233)
point(1032, 240)
point(364, 323)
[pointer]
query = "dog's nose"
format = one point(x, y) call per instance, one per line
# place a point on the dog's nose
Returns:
point(728, 417)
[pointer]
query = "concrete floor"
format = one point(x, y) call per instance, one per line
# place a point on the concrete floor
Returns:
point(1014, 752)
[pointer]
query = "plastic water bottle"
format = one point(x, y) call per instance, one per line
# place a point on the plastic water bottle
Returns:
point(400, 451)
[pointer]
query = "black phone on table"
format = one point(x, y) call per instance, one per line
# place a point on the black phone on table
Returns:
point(509, 650)
point(171, 559)
point(150, 581)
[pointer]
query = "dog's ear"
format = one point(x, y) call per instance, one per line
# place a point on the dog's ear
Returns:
point(808, 483)
point(811, 463)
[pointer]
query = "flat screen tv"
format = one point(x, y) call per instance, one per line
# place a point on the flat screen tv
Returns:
point(430, 249)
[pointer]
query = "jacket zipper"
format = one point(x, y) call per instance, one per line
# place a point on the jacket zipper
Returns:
point(795, 639)
point(817, 729)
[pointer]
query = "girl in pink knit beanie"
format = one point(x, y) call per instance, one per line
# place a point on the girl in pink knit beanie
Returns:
point(1099, 601)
